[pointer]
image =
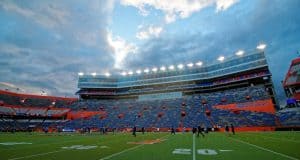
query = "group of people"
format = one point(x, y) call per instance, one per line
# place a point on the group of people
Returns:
point(199, 130)
point(227, 129)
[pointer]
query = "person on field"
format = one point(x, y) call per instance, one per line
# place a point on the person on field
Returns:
point(200, 131)
point(173, 131)
point(143, 130)
point(232, 129)
point(227, 129)
point(134, 131)
point(194, 130)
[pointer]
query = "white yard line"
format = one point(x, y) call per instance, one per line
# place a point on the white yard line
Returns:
point(36, 155)
point(266, 149)
point(126, 150)
point(194, 148)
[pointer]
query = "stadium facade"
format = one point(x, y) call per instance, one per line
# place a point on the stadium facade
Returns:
point(235, 72)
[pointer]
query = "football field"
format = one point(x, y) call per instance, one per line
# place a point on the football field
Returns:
point(150, 146)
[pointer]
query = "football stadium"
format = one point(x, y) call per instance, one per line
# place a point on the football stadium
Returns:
point(173, 112)
point(157, 99)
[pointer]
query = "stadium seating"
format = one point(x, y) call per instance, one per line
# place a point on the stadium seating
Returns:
point(188, 111)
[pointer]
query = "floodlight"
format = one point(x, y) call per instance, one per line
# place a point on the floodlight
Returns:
point(239, 52)
point(163, 68)
point(180, 66)
point(94, 74)
point(107, 74)
point(130, 72)
point(154, 69)
point(190, 64)
point(146, 70)
point(138, 71)
point(199, 63)
point(261, 46)
point(80, 74)
point(221, 58)
point(171, 67)
point(124, 73)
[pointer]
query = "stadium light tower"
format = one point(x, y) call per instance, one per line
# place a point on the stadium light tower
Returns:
point(124, 73)
point(171, 67)
point(138, 71)
point(261, 46)
point(130, 73)
point(146, 70)
point(107, 74)
point(80, 74)
point(221, 58)
point(163, 68)
point(240, 53)
point(154, 69)
point(94, 74)
point(199, 63)
point(190, 65)
point(180, 66)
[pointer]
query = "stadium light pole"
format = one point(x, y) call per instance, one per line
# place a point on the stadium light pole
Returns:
point(180, 66)
point(261, 46)
point(80, 74)
point(240, 52)
point(221, 58)
point(107, 74)
point(171, 67)
point(190, 65)
point(154, 69)
point(94, 74)
point(138, 71)
point(199, 63)
point(146, 70)
point(124, 73)
point(130, 73)
point(163, 68)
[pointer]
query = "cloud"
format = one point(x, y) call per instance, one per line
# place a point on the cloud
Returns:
point(179, 8)
point(46, 15)
point(43, 44)
point(121, 49)
point(149, 32)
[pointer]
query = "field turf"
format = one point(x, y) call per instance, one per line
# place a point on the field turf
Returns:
point(123, 146)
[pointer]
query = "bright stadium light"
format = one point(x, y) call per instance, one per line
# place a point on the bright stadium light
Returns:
point(163, 68)
point(180, 66)
point(221, 58)
point(240, 53)
point(94, 74)
point(124, 73)
point(138, 71)
point(130, 72)
point(190, 64)
point(154, 69)
point(171, 67)
point(146, 70)
point(199, 63)
point(80, 74)
point(107, 74)
point(261, 46)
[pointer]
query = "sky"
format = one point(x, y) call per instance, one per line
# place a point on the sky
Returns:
point(45, 43)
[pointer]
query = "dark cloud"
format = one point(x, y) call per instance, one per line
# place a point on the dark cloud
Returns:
point(44, 44)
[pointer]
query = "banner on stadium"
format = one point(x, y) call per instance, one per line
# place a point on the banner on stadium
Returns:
point(256, 106)
point(169, 95)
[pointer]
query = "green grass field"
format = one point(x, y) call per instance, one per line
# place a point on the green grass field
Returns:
point(123, 146)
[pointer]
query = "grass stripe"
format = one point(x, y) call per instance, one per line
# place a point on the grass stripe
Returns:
point(266, 149)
